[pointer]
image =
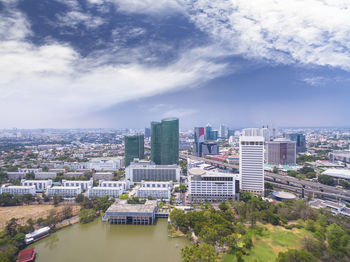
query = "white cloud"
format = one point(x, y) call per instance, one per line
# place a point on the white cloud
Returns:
point(290, 31)
point(42, 85)
point(74, 18)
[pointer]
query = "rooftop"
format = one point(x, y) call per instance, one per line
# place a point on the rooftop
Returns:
point(123, 207)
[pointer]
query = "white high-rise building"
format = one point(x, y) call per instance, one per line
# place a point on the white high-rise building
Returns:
point(251, 163)
point(264, 131)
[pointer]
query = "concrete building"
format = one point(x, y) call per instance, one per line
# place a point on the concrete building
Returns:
point(337, 173)
point(165, 141)
point(281, 152)
point(209, 148)
point(103, 176)
point(29, 170)
point(106, 163)
point(157, 184)
point(134, 148)
point(212, 186)
point(137, 214)
point(65, 191)
point(16, 175)
point(251, 163)
point(223, 131)
point(105, 191)
point(340, 155)
point(83, 184)
point(73, 174)
point(124, 185)
point(18, 190)
point(264, 132)
point(199, 135)
point(300, 141)
point(147, 132)
point(148, 171)
point(45, 175)
point(154, 192)
point(40, 185)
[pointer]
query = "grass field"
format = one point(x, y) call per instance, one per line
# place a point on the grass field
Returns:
point(274, 240)
point(23, 213)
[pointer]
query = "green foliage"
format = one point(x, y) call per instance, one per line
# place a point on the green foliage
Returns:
point(183, 165)
point(326, 180)
point(292, 173)
point(293, 255)
point(199, 253)
point(124, 196)
point(87, 215)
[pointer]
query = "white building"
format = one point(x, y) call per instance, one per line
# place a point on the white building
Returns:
point(45, 175)
point(264, 132)
point(18, 190)
point(40, 185)
point(147, 170)
point(105, 191)
point(103, 176)
point(251, 163)
point(337, 173)
point(125, 185)
point(212, 186)
point(111, 163)
point(29, 170)
point(83, 184)
point(155, 192)
point(157, 184)
point(16, 175)
point(66, 191)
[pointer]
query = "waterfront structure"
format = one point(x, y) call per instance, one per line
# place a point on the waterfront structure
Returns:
point(40, 185)
point(148, 171)
point(105, 163)
point(212, 186)
point(124, 185)
point(65, 191)
point(134, 148)
point(281, 152)
point(26, 255)
point(138, 214)
point(83, 184)
point(103, 176)
point(165, 141)
point(104, 191)
point(299, 140)
point(251, 163)
point(340, 155)
point(36, 235)
point(18, 190)
point(45, 175)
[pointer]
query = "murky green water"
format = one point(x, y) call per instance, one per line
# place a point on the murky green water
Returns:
point(99, 242)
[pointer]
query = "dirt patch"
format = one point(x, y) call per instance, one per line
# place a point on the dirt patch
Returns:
point(23, 213)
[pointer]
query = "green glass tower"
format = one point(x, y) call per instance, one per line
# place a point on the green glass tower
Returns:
point(134, 148)
point(165, 141)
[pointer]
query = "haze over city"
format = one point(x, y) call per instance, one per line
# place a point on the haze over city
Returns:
point(122, 63)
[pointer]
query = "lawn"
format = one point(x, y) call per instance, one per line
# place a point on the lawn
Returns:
point(274, 240)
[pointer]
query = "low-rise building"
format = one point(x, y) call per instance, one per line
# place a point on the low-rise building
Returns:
point(107, 163)
point(103, 176)
point(18, 190)
point(40, 185)
point(16, 175)
point(157, 184)
point(154, 192)
point(29, 170)
point(148, 171)
point(212, 186)
point(125, 185)
point(45, 175)
point(104, 191)
point(65, 191)
point(83, 184)
point(73, 174)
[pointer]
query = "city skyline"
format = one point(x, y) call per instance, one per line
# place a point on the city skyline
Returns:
point(104, 63)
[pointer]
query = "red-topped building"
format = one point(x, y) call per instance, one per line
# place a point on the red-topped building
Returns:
point(26, 255)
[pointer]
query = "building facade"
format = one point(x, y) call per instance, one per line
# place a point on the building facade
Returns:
point(65, 191)
point(251, 163)
point(212, 186)
point(103, 176)
point(83, 184)
point(104, 191)
point(134, 148)
point(45, 175)
point(300, 141)
point(124, 185)
point(40, 185)
point(281, 152)
point(18, 190)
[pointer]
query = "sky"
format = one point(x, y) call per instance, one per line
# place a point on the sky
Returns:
point(125, 63)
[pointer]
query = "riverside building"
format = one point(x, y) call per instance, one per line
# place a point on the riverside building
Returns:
point(251, 163)
point(212, 186)
point(148, 171)
point(157, 190)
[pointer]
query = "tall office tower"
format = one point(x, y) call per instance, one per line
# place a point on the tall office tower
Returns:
point(281, 152)
point(208, 133)
point(165, 141)
point(134, 148)
point(264, 131)
point(199, 134)
point(300, 142)
point(147, 132)
point(251, 163)
point(223, 131)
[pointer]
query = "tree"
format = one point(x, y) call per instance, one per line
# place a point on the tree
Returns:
point(199, 253)
point(338, 240)
point(183, 165)
point(326, 180)
point(293, 255)
point(292, 173)
point(183, 188)
point(67, 212)
point(223, 206)
point(275, 170)
point(11, 227)
point(79, 198)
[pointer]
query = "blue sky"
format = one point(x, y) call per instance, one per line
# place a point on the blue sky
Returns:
point(124, 63)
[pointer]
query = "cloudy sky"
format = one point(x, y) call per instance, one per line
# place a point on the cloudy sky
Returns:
point(124, 63)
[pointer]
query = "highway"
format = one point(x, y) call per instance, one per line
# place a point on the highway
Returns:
point(286, 182)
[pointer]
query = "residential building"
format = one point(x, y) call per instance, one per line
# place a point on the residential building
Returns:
point(251, 163)
point(40, 185)
point(83, 184)
point(29, 170)
point(281, 152)
point(16, 175)
point(148, 171)
point(65, 191)
point(45, 175)
point(134, 148)
point(18, 190)
point(212, 186)
point(154, 192)
point(124, 185)
point(103, 176)
point(165, 141)
point(104, 191)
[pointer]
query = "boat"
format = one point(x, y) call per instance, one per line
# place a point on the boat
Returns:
point(26, 255)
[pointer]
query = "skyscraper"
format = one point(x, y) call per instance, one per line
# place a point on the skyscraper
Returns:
point(300, 141)
point(134, 148)
point(147, 132)
point(165, 141)
point(199, 135)
point(251, 163)
point(223, 131)
point(281, 152)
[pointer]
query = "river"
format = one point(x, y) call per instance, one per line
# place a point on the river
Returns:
point(99, 242)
